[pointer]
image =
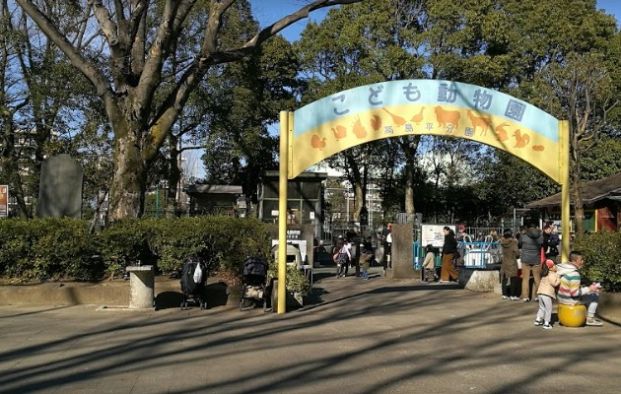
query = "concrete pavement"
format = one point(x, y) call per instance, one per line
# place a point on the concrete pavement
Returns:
point(361, 337)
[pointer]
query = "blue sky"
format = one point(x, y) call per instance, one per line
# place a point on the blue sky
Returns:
point(611, 7)
point(269, 11)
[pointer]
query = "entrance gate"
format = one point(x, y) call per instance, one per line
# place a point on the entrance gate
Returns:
point(419, 107)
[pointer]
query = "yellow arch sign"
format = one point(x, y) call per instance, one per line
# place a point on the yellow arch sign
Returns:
point(415, 107)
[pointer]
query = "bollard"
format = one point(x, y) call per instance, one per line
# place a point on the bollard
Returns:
point(141, 286)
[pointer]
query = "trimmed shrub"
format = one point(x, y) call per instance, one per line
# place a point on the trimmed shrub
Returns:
point(174, 240)
point(63, 248)
point(48, 249)
point(296, 281)
point(223, 242)
point(602, 253)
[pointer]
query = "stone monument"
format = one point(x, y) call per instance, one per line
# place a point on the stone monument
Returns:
point(60, 188)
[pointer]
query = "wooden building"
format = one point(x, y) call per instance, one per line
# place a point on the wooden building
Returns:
point(602, 204)
point(206, 199)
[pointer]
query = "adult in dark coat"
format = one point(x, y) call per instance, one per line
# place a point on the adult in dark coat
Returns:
point(531, 242)
point(449, 250)
point(551, 240)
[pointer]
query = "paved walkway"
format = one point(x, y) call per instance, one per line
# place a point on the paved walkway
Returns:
point(364, 337)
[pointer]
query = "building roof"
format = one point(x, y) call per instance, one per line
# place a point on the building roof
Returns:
point(213, 189)
point(307, 175)
point(592, 191)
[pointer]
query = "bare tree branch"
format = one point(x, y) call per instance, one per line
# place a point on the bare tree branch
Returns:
point(275, 28)
point(83, 25)
point(183, 149)
point(51, 31)
point(150, 77)
point(108, 27)
point(119, 11)
point(176, 99)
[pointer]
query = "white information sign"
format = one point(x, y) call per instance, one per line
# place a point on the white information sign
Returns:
point(433, 234)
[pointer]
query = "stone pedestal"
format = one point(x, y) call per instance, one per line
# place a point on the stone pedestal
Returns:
point(141, 286)
point(402, 255)
point(484, 281)
point(610, 307)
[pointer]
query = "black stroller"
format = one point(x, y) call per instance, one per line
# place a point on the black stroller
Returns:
point(193, 280)
point(254, 284)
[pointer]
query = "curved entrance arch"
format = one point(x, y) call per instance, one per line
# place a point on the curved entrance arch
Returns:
point(420, 107)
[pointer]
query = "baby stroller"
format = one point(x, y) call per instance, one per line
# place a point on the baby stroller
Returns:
point(193, 280)
point(254, 284)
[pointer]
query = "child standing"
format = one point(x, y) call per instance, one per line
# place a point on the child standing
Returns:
point(547, 293)
point(429, 265)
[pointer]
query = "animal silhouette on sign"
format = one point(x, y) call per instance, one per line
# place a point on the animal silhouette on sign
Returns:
point(419, 116)
point(446, 117)
point(396, 119)
point(340, 132)
point(539, 148)
point(484, 122)
point(501, 133)
point(521, 139)
point(359, 130)
point(376, 122)
point(318, 142)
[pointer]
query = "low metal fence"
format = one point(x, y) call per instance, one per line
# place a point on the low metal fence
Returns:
point(474, 254)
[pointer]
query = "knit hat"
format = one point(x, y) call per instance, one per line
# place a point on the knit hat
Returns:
point(549, 263)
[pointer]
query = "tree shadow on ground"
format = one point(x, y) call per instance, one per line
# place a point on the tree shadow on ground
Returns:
point(217, 338)
point(216, 294)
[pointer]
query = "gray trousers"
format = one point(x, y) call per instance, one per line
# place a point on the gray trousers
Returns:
point(545, 308)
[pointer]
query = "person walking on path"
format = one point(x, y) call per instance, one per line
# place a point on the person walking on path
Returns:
point(449, 251)
point(532, 242)
point(547, 294)
point(366, 255)
point(571, 292)
point(508, 266)
point(341, 257)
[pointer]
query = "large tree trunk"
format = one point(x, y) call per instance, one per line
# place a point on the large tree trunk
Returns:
point(358, 200)
point(129, 181)
point(174, 174)
point(409, 146)
point(578, 207)
point(409, 193)
point(355, 177)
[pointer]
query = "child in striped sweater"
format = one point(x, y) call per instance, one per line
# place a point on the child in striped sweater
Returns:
point(571, 291)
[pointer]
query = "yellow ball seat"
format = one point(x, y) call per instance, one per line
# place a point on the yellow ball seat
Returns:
point(572, 315)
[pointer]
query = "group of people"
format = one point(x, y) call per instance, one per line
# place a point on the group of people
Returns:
point(343, 255)
point(538, 252)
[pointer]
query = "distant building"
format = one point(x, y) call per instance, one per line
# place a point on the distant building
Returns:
point(602, 204)
point(25, 146)
point(206, 199)
point(305, 203)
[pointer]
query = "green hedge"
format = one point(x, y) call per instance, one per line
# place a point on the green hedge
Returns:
point(63, 248)
point(602, 252)
point(48, 249)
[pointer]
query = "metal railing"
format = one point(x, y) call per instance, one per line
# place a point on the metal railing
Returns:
point(475, 254)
